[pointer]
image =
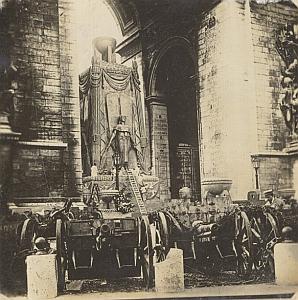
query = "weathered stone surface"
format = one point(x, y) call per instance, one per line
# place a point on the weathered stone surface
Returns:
point(238, 87)
point(160, 146)
point(169, 274)
point(286, 263)
point(41, 276)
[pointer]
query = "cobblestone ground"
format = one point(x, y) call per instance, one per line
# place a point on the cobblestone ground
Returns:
point(191, 280)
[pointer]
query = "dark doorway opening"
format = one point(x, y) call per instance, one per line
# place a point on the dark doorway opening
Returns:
point(176, 86)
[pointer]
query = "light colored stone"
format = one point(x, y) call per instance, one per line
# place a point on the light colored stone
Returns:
point(41, 276)
point(286, 263)
point(169, 274)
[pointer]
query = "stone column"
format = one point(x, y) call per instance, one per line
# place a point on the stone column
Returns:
point(70, 96)
point(160, 145)
point(227, 95)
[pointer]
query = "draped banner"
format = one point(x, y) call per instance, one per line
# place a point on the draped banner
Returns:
point(106, 92)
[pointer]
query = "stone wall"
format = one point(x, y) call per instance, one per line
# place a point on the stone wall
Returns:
point(38, 173)
point(227, 102)
point(46, 112)
point(276, 172)
point(35, 52)
point(272, 134)
point(69, 78)
point(239, 71)
point(266, 20)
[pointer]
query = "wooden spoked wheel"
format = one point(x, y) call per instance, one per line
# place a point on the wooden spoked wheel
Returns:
point(164, 231)
point(28, 235)
point(61, 253)
point(162, 246)
point(146, 252)
point(265, 234)
point(243, 244)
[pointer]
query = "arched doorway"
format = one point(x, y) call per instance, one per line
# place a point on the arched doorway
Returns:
point(173, 84)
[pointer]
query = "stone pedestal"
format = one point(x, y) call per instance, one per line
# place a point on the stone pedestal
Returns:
point(41, 276)
point(169, 274)
point(286, 263)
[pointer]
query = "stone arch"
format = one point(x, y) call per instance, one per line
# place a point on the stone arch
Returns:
point(125, 14)
point(176, 41)
point(173, 109)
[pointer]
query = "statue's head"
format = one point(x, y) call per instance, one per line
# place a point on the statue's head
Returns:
point(122, 119)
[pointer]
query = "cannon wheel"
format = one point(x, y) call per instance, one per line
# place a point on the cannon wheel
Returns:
point(164, 231)
point(146, 252)
point(28, 234)
point(243, 239)
point(61, 254)
point(265, 232)
point(162, 238)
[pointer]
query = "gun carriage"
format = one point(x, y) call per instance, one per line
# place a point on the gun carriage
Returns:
point(111, 239)
point(239, 237)
point(113, 235)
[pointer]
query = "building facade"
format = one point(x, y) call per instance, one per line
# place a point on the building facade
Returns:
point(210, 77)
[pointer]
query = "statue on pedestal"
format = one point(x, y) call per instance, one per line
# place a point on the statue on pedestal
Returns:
point(122, 143)
point(287, 47)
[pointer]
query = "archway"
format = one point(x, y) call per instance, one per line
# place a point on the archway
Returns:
point(94, 18)
point(172, 83)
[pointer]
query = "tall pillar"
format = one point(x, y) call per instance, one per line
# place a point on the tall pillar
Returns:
point(160, 145)
point(70, 95)
point(227, 96)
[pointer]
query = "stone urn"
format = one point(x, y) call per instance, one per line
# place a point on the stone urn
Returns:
point(216, 186)
point(105, 46)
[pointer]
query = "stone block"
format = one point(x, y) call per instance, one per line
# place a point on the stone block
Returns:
point(286, 263)
point(41, 276)
point(169, 274)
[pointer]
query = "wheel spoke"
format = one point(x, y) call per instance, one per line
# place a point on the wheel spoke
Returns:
point(146, 252)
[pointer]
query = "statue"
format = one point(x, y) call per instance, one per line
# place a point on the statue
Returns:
point(123, 144)
point(287, 47)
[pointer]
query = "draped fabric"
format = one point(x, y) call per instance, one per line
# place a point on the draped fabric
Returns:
point(95, 84)
point(94, 77)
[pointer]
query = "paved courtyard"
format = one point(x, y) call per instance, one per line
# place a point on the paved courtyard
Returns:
point(252, 291)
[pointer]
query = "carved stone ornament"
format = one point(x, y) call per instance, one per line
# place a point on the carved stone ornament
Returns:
point(287, 47)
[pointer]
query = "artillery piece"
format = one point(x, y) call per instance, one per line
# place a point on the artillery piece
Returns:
point(240, 237)
point(119, 240)
point(94, 242)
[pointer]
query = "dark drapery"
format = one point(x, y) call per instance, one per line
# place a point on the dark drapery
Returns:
point(95, 84)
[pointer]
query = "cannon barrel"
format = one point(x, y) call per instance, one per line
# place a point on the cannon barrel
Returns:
point(105, 229)
point(202, 228)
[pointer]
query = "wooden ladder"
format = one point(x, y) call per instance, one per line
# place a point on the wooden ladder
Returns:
point(137, 194)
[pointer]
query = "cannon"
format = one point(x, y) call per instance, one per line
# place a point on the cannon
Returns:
point(122, 239)
point(240, 238)
point(115, 239)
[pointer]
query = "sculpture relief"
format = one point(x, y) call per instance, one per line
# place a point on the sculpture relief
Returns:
point(287, 47)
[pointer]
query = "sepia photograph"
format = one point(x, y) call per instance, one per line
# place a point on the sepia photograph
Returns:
point(148, 149)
